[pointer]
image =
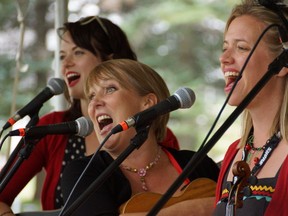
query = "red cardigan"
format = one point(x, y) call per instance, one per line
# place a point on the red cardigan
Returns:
point(278, 205)
point(48, 153)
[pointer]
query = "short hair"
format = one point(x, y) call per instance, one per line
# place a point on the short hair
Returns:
point(137, 77)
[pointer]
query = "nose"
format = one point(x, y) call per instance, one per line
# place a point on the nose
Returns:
point(226, 57)
point(94, 104)
point(67, 62)
point(96, 100)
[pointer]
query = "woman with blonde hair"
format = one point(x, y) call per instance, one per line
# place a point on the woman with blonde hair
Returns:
point(263, 145)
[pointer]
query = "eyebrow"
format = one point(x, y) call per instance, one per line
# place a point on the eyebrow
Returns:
point(75, 47)
point(237, 40)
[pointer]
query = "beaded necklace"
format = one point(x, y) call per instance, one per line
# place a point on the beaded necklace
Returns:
point(142, 172)
point(267, 148)
point(249, 147)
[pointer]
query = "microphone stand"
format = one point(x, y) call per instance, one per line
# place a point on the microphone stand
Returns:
point(136, 142)
point(24, 153)
point(273, 69)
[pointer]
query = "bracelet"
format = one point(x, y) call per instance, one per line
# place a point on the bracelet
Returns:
point(5, 213)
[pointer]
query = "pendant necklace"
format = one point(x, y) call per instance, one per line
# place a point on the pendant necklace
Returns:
point(143, 171)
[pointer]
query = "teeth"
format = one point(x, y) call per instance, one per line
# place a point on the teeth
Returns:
point(103, 117)
point(72, 75)
point(231, 74)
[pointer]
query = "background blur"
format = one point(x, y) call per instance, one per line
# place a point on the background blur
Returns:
point(181, 39)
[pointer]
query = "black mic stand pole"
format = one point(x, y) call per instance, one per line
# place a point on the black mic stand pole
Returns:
point(136, 142)
point(24, 152)
point(273, 69)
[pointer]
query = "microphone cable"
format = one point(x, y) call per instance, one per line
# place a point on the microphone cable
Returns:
point(3, 140)
point(1, 132)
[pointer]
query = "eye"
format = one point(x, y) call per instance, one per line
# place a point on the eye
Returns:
point(242, 48)
point(224, 46)
point(91, 96)
point(61, 57)
point(79, 52)
point(110, 89)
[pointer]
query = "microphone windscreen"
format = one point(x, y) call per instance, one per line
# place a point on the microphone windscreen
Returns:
point(186, 97)
point(85, 126)
point(56, 85)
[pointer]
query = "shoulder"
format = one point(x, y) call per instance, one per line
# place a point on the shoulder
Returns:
point(230, 153)
point(234, 146)
point(97, 164)
point(181, 155)
point(207, 167)
point(184, 156)
point(53, 117)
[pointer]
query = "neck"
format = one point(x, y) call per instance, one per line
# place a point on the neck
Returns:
point(143, 156)
point(262, 125)
point(268, 102)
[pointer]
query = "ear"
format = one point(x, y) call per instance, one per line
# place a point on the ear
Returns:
point(283, 72)
point(149, 101)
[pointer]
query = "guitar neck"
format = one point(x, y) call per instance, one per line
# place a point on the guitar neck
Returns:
point(40, 213)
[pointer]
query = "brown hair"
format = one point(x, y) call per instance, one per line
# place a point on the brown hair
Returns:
point(101, 37)
point(134, 76)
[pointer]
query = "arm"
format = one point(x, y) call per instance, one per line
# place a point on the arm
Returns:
point(5, 210)
point(195, 207)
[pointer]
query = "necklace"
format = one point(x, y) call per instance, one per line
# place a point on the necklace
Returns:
point(267, 149)
point(249, 147)
point(143, 171)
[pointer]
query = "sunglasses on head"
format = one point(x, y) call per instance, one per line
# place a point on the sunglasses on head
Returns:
point(87, 20)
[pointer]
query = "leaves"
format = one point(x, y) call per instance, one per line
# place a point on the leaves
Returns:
point(180, 39)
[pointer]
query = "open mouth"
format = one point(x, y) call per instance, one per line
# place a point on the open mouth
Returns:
point(104, 120)
point(72, 77)
point(231, 77)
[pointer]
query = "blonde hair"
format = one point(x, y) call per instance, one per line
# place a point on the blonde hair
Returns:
point(268, 17)
point(137, 77)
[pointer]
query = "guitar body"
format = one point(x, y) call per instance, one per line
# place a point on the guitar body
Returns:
point(143, 202)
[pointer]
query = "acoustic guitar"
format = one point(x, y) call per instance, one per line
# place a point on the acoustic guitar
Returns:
point(144, 202)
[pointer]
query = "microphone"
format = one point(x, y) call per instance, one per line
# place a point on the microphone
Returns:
point(183, 98)
point(81, 127)
point(55, 86)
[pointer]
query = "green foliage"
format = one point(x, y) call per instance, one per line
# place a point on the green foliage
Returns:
point(181, 39)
